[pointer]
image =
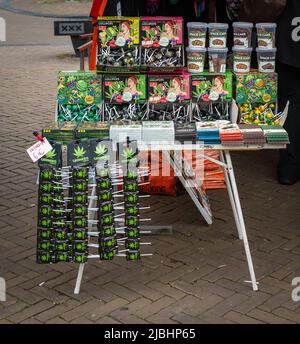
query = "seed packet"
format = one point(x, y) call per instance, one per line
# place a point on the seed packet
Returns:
point(53, 157)
point(78, 154)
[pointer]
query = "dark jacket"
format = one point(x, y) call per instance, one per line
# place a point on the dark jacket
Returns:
point(288, 34)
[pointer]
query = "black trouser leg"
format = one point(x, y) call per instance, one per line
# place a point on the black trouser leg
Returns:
point(289, 90)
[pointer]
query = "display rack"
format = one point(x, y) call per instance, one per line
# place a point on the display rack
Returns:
point(226, 164)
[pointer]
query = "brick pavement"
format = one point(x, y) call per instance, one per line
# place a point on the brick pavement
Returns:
point(195, 276)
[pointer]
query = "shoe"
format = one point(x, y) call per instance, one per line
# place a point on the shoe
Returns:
point(283, 180)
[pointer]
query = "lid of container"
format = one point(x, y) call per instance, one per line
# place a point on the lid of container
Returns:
point(217, 50)
point(196, 25)
point(195, 50)
point(238, 48)
point(242, 24)
point(266, 50)
point(217, 26)
point(268, 25)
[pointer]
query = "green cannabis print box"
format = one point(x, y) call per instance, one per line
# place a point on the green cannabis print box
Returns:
point(83, 88)
point(211, 87)
point(124, 88)
point(256, 88)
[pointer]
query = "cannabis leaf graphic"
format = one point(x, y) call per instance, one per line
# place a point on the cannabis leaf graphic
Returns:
point(51, 154)
point(101, 151)
point(128, 153)
point(79, 152)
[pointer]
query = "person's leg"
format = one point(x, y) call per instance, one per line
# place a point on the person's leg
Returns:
point(289, 162)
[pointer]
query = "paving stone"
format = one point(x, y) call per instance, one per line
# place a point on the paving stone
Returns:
point(267, 317)
point(241, 318)
point(31, 311)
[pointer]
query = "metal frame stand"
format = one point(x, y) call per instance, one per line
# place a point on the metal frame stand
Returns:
point(233, 194)
point(237, 212)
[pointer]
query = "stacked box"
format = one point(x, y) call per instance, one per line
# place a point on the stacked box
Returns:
point(162, 43)
point(118, 44)
point(256, 96)
point(211, 96)
point(169, 97)
point(124, 97)
point(79, 96)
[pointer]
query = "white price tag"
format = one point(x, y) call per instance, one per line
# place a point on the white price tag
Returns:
point(39, 149)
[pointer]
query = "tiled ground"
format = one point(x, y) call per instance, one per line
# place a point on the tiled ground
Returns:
point(195, 276)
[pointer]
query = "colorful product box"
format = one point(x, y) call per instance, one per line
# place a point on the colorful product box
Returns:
point(118, 42)
point(124, 89)
point(256, 88)
point(162, 42)
point(169, 89)
point(80, 87)
point(211, 87)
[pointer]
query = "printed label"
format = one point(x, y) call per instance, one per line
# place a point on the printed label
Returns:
point(39, 149)
point(195, 63)
point(265, 39)
point(217, 39)
point(197, 38)
point(241, 64)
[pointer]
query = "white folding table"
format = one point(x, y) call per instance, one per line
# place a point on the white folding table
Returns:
point(169, 150)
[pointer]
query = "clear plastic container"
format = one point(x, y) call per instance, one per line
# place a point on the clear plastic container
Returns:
point(195, 59)
point(242, 33)
point(266, 60)
point(217, 58)
point(266, 35)
point(217, 35)
point(241, 59)
point(197, 34)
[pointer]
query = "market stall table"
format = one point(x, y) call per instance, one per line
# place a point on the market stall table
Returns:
point(226, 164)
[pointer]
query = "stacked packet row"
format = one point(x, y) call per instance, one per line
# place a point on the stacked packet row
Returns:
point(231, 135)
point(185, 132)
point(275, 134)
point(208, 132)
point(158, 131)
point(121, 132)
point(252, 134)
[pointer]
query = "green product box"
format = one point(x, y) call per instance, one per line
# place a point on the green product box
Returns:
point(207, 86)
point(173, 88)
point(79, 87)
point(60, 131)
point(92, 130)
point(124, 89)
point(256, 88)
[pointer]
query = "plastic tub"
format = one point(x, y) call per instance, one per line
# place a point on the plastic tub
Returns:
point(266, 35)
point(217, 58)
point(197, 34)
point(217, 35)
point(242, 33)
point(241, 59)
point(266, 59)
point(195, 59)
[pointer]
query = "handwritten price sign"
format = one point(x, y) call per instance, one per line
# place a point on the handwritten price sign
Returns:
point(39, 149)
